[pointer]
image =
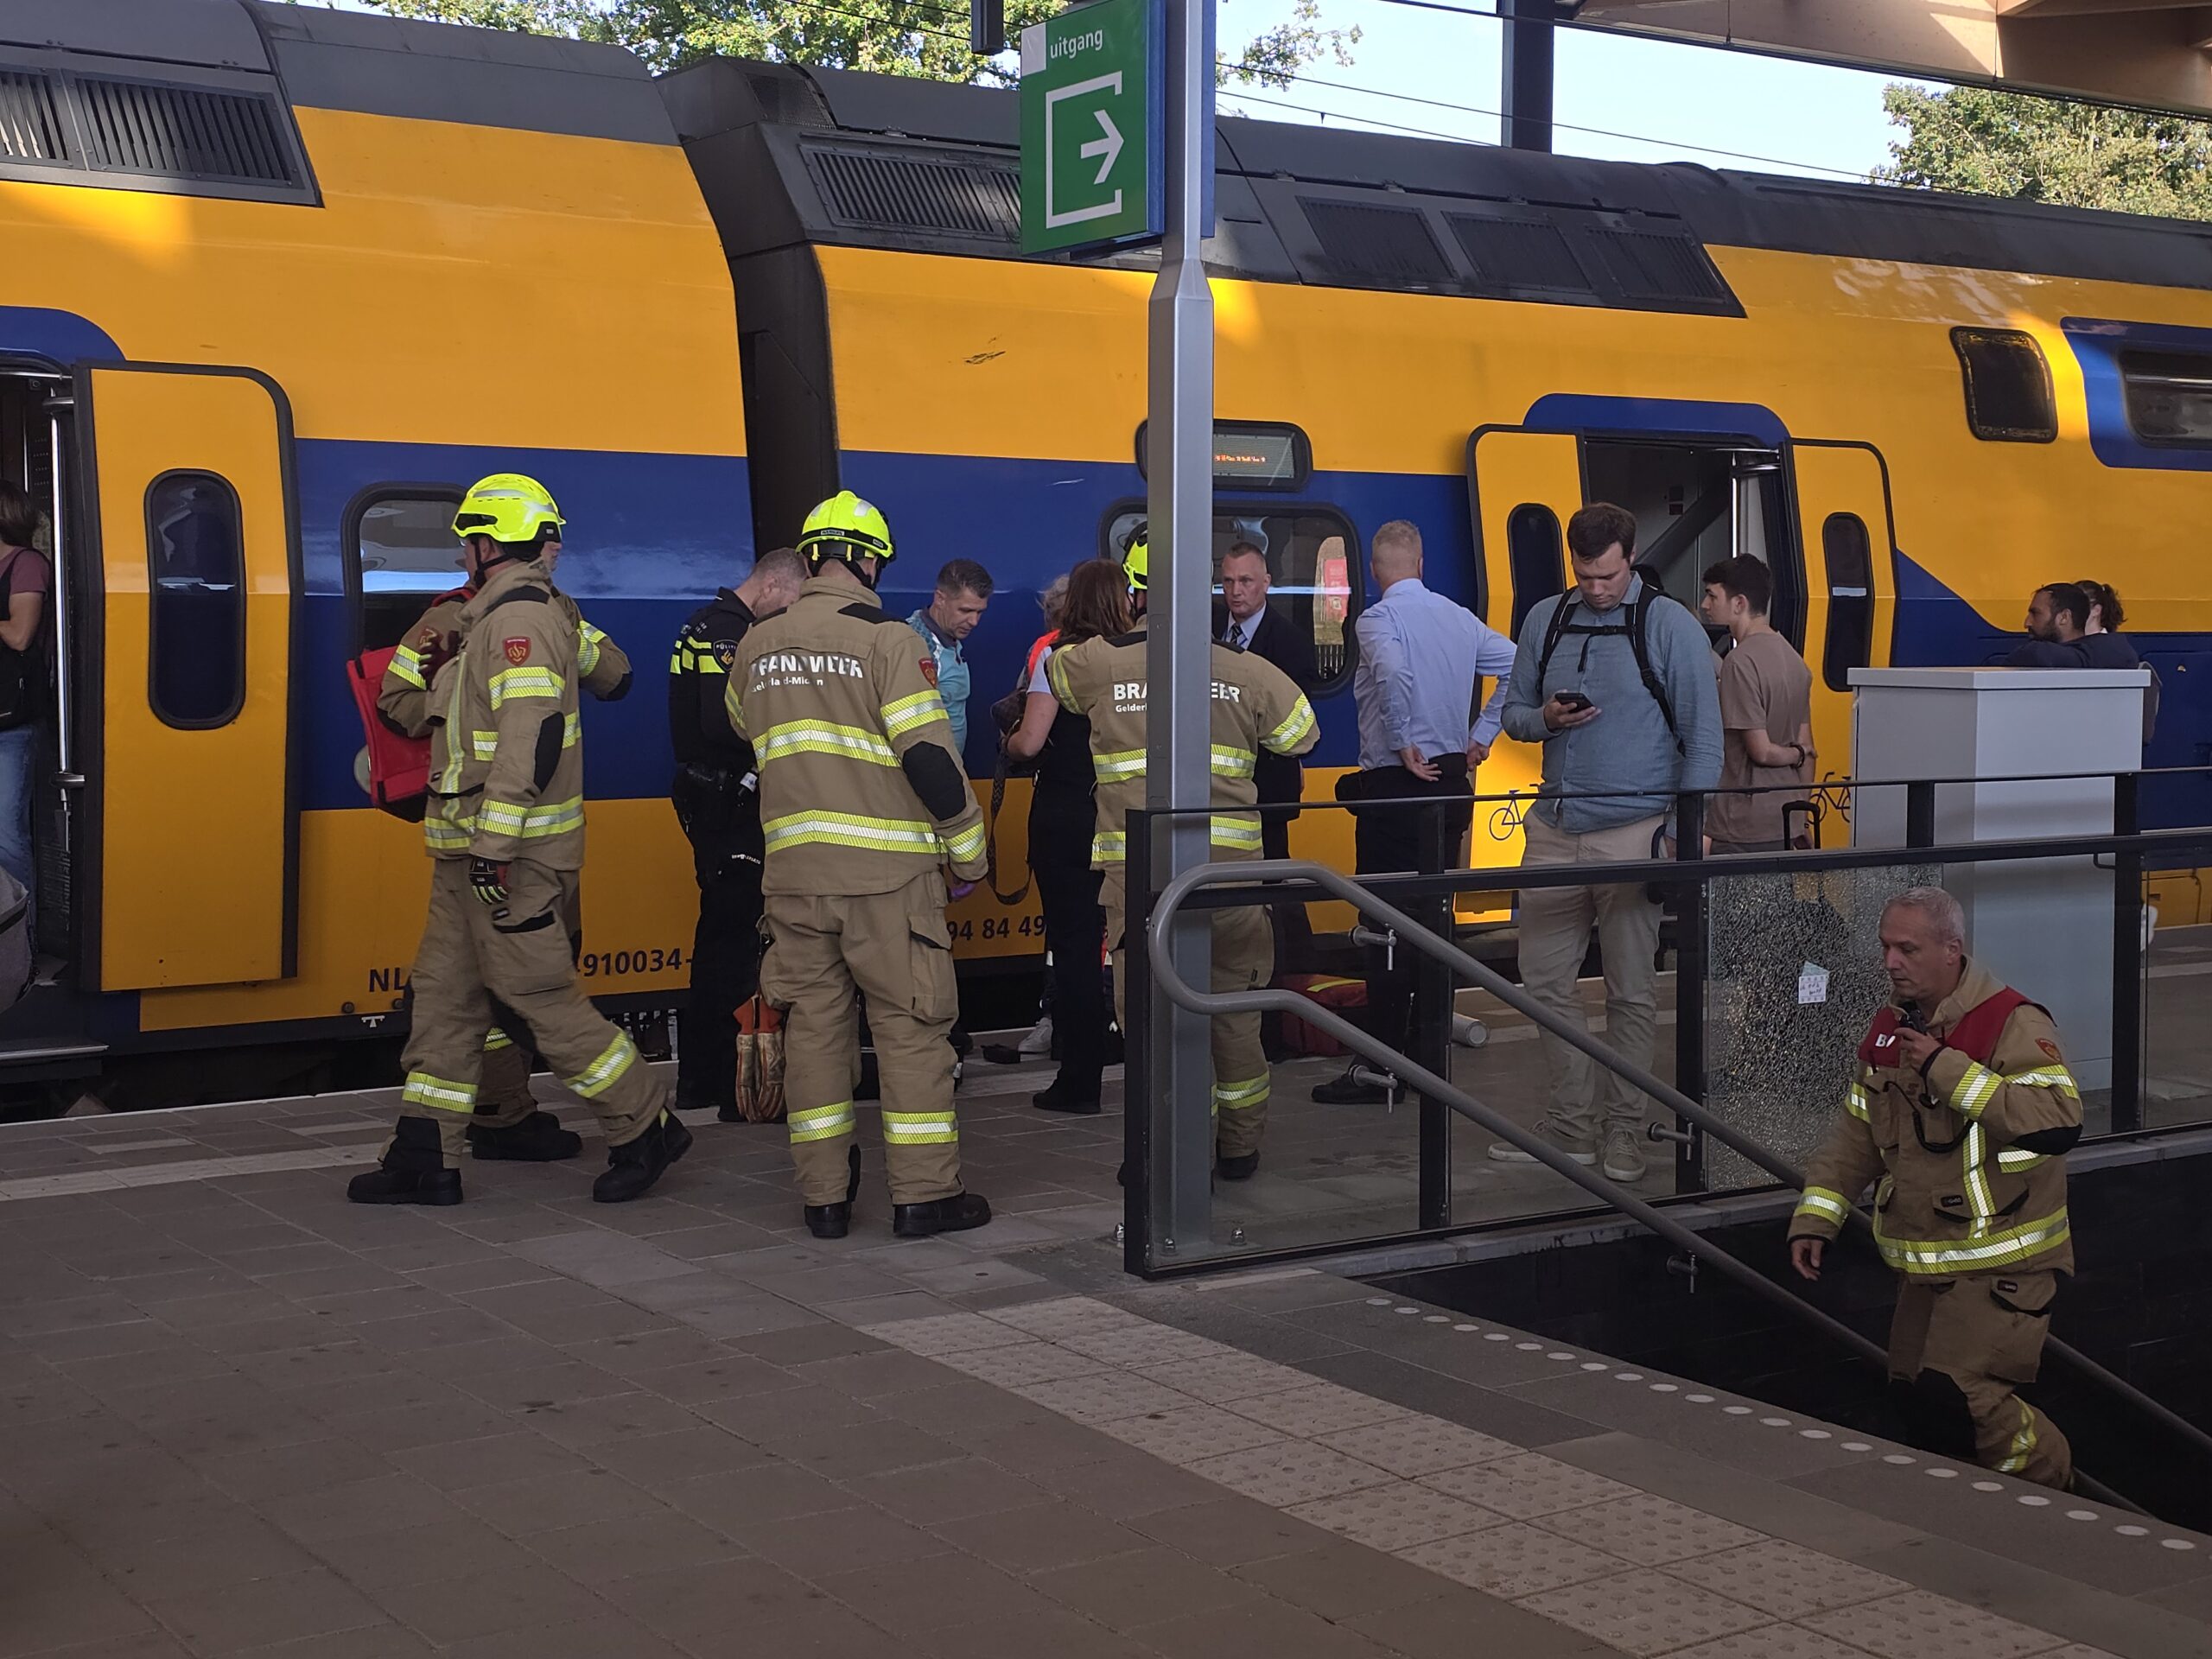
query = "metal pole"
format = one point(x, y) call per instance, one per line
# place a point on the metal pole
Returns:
point(1693, 915)
point(1432, 1025)
point(1178, 654)
point(2127, 988)
point(1526, 71)
point(60, 408)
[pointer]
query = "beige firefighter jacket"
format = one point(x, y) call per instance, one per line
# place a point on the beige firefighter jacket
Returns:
point(860, 788)
point(507, 752)
point(404, 698)
point(1969, 1165)
point(1254, 706)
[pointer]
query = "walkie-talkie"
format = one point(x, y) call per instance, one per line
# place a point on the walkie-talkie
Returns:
point(1910, 1016)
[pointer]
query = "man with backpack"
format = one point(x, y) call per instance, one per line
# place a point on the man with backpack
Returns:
point(1621, 694)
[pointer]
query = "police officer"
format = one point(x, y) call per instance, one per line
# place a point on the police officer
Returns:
point(505, 831)
point(1962, 1106)
point(863, 803)
point(507, 1123)
point(1254, 706)
point(717, 801)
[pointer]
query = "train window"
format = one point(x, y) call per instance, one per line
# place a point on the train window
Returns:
point(1850, 561)
point(404, 554)
point(1538, 554)
point(1312, 557)
point(196, 654)
point(2007, 385)
point(2169, 396)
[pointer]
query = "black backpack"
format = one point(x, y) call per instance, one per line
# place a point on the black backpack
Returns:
point(1636, 627)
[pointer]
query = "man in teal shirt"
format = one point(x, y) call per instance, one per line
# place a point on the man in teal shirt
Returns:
point(963, 591)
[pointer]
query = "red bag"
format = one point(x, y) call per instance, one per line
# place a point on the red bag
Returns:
point(1341, 995)
point(399, 767)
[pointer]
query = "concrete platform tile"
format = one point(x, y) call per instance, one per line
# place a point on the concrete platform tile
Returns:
point(945, 1333)
point(580, 1424)
point(1918, 1623)
point(950, 1491)
point(1648, 1612)
point(1649, 1531)
point(1021, 1363)
point(1459, 1622)
point(443, 1549)
point(1257, 1629)
point(1414, 1446)
point(527, 1595)
point(522, 1508)
point(1526, 1485)
point(265, 1611)
point(1342, 1580)
point(1773, 1641)
point(1396, 1515)
point(610, 1635)
point(1191, 1434)
point(756, 1496)
point(1513, 1561)
point(1319, 1409)
point(1290, 1472)
point(1103, 1396)
point(1225, 1377)
point(1124, 1591)
point(1041, 1537)
point(858, 1532)
point(600, 1551)
point(1786, 1579)
point(931, 1594)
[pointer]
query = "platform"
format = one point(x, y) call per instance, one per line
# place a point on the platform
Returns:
point(245, 1417)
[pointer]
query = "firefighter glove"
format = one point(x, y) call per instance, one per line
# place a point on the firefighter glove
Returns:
point(489, 878)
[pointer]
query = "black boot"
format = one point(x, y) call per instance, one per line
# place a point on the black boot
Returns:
point(954, 1215)
point(413, 1171)
point(834, 1220)
point(633, 1167)
point(1240, 1168)
point(1060, 1097)
point(538, 1138)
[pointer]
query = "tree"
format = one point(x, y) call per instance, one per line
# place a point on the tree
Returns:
point(1992, 143)
point(925, 38)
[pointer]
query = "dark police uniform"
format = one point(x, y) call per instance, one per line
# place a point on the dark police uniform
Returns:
point(718, 804)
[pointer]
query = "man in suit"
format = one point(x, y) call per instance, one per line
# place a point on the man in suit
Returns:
point(1245, 621)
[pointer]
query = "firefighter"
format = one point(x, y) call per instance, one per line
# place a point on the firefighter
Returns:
point(1254, 706)
point(505, 831)
point(864, 803)
point(1963, 1107)
point(507, 1123)
point(717, 801)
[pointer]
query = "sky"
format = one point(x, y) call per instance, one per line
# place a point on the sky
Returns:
point(1618, 97)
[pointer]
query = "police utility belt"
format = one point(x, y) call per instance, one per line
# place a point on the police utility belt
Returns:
point(711, 798)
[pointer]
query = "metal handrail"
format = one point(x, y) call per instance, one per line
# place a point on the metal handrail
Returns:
point(1442, 1091)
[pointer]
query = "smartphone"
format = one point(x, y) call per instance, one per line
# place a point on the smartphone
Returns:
point(1573, 702)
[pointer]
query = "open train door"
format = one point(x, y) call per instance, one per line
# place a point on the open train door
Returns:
point(1524, 486)
point(195, 842)
point(1843, 510)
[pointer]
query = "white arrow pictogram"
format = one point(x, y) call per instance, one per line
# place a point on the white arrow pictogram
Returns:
point(1108, 148)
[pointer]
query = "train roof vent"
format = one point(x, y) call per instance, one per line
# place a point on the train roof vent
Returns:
point(870, 190)
point(788, 99)
point(1661, 267)
point(191, 133)
point(30, 125)
point(1369, 243)
point(1517, 255)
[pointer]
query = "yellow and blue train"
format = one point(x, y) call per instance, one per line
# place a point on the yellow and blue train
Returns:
point(280, 281)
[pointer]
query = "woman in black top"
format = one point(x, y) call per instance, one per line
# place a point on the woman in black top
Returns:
point(2102, 645)
point(1063, 818)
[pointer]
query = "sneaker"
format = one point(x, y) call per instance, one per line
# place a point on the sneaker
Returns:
point(1503, 1152)
point(1624, 1158)
point(1039, 1043)
point(1349, 1091)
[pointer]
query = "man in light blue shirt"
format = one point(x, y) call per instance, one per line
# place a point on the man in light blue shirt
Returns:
point(1643, 724)
point(963, 592)
point(1422, 658)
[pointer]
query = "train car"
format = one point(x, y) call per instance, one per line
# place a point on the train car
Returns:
point(281, 283)
point(1916, 407)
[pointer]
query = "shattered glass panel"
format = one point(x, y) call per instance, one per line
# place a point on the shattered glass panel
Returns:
point(1793, 976)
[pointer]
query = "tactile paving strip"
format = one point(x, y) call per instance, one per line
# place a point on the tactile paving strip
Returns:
point(1396, 1517)
point(1773, 1641)
point(1319, 1409)
point(1648, 1612)
point(1102, 1396)
point(1226, 1377)
point(1190, 1434)
point(1289, 1471)
point(948, 1333)
point(1649, 1531)
point(1021, 1363)
point(1419, 1445)
point(1786, 1579)
point(1918, 1625)
point(1513, 1561)
point(1528, 1486)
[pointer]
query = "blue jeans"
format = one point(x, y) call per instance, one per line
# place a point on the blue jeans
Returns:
point(18, 757)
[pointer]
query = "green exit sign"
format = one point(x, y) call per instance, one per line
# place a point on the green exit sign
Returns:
point(1090, 139)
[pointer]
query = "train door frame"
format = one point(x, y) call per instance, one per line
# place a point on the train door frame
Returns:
point(267, 513)
point(1819, 493)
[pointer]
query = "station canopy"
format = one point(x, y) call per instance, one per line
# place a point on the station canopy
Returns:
point(2156, 53)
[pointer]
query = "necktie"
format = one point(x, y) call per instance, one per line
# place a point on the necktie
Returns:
point(1236, 636)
